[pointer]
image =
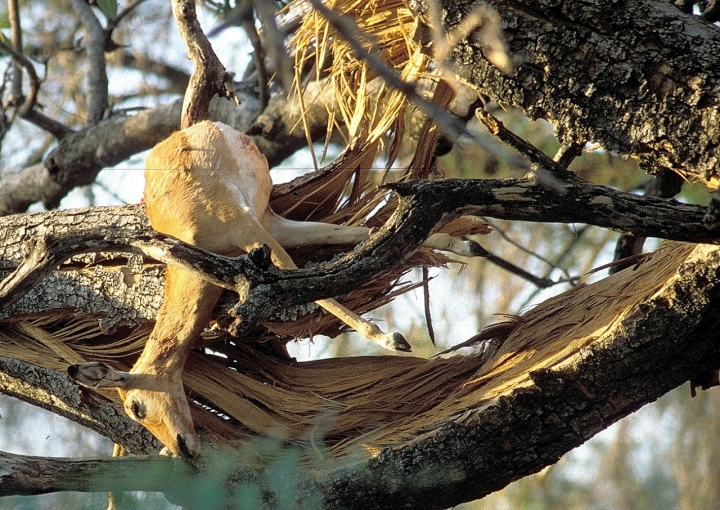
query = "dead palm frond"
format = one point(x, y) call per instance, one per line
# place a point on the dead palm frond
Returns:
point(367, 110)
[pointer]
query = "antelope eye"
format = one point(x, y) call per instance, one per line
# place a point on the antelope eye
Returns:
point(138, 410)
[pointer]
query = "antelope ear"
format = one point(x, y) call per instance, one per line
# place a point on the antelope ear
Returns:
point(98, 375)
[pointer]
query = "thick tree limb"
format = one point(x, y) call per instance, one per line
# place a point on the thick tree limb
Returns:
point(658, 343)
point(46, 253)
point(24, 475)
point(639, 77)
point(665, 184)
point(55, 392)
point(663, 340)
point(424, 206)
point(80, 156)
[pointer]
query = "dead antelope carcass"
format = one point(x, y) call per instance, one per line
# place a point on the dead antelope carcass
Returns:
point(209, 186)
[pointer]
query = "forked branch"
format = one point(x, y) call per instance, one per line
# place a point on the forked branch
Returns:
point(514, 431)
point(209, 76)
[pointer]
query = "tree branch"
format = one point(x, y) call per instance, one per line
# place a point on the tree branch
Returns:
point(450, 125)
point(590, 70)
point(46, 253)
point(178, 79)
point(424, 206)
point(209, 76)
point(24, 475)
point(518, 423)
point(55, 392)
point(97, 81)
point(27, 110)
point(79, 158)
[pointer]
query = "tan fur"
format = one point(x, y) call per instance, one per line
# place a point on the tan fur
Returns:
point(208, 185)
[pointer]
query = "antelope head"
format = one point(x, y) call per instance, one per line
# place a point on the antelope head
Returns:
point(157, 403)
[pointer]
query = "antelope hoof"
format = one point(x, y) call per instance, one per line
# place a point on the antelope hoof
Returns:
point(396, 342)
point(260, 256)
point(476, 250)
point(188, 445)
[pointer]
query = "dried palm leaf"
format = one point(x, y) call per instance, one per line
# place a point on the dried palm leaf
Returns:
point(384, 24)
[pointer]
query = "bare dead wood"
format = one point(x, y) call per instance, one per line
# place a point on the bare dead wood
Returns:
point(450, 125)
point(523, 431)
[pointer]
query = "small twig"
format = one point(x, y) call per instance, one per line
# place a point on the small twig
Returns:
point(567, 153)
point(263, 78)
point(632, 260)
point(426, 299)
point(504, 235)
point(16, 41)
point(448, 124)
point(179, 79)
point(112, 23)
point(27, 109)
point(275, 39)
point(542, 283)
point(556, 176)
point(22, 62)
point(572, 280)
point(110, 192)
point(492, 337)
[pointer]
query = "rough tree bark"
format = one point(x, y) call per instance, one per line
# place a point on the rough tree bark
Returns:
point(640, 77)
point(637, 76)
point(663, 340)
point(669, 338)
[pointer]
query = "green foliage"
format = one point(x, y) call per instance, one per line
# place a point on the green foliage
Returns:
point(108, 7)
